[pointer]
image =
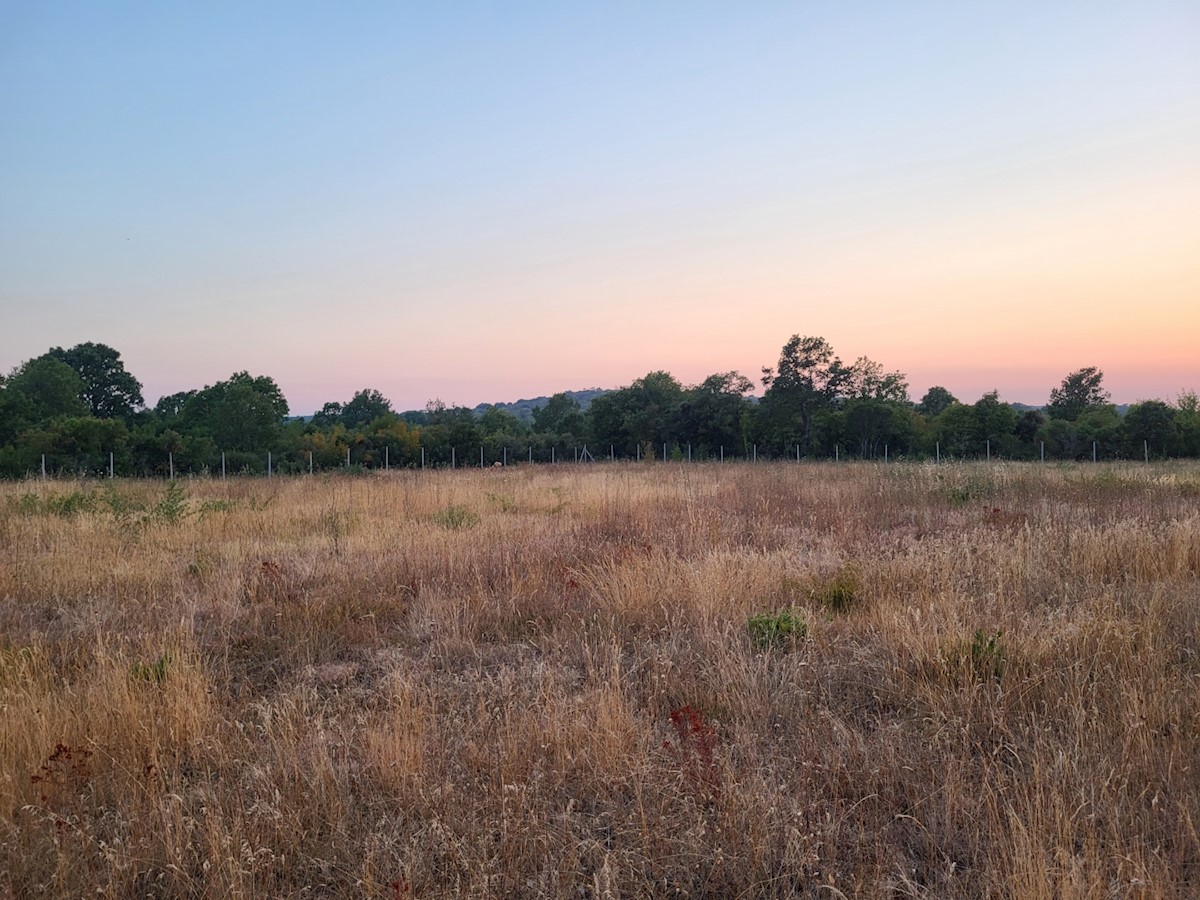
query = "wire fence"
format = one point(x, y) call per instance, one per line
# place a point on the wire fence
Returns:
point(271, 463)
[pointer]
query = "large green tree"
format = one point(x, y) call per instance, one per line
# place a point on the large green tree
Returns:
point(714, 414)
point(1080, 391)
point(44, 388)
point(809, 377)
point(365, 407)
point(1150, 428)
point(108, 389)
point(936, 400)
point(242, 414)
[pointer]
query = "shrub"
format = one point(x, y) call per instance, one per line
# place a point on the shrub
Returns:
point(780, 629)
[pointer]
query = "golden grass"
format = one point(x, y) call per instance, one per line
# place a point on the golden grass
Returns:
point(539, 682)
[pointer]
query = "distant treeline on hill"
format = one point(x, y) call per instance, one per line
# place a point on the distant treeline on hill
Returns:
point(80, 411)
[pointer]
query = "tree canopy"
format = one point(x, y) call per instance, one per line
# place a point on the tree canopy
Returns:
point(75, 407)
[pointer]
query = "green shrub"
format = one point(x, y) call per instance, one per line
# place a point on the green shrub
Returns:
point(779, 629)
point(173, 507)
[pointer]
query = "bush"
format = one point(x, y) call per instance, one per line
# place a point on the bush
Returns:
point(780, 629)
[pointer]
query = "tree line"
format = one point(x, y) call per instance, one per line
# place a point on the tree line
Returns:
point(81, 411)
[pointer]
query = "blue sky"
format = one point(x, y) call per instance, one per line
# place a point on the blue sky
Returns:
point(484, 201)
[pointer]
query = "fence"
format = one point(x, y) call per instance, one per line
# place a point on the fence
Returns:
point(297, 462)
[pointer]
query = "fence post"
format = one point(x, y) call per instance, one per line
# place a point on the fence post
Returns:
point(637, 455)
point(576, 450)
point(481, 456)
point(722, 453)
point(270, 468)
point(1093, 451)
point(552, 455)
point(347, 456)
point(505, 457)
point(1043, 451)
point(989, 450)
point(387, 457)
point(885, 452)
point(689, 451)
point(43, 467)
point(222, 465)
point(837, 452)
point(422, 457)
point(755, 457)
point(171, 465)
point(110, 464)
point(664, 451)
point(309, 462)
point(938, 450)
point(454, 457)
point(1146, 450)
point(531, 453)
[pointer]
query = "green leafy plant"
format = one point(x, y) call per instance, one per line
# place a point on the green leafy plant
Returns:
point(776, 630)
point(173, 507)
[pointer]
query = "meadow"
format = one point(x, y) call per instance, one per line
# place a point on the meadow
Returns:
point(605, 681)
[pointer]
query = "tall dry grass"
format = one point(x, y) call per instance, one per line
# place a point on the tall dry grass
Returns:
point(540, 682)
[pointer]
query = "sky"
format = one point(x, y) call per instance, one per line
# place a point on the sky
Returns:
point(481, 202)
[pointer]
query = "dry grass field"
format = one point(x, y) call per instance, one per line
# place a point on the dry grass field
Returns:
point(605, 681)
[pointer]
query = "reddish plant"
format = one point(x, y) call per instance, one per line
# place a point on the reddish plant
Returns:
point(695, 743)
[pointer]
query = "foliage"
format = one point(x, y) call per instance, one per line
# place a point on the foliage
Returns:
point(1079, 391)
point(78, 408)
point(773, 630)
point(936, 400)
point(109, 391)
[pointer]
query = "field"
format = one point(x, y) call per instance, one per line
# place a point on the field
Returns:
point(603, 681)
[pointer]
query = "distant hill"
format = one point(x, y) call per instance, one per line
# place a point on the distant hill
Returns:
point(1122, 408)
point(523, 409)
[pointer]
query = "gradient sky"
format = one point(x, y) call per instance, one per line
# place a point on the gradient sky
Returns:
point(487, 201)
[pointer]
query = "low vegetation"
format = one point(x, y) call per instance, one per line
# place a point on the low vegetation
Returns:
point(602, 681)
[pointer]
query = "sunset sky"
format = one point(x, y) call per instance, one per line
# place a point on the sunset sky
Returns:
point(488, 201)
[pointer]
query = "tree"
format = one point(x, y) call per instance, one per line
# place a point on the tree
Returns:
point(328, 415)
point(365, 407)
point(873, 424)
point(808, 377)
point(713, 414)
point(936, 401)
point(242, 414)
point(108, 389)
point(170, 406)
point(954, 428)
point(866, 380)
point(995, 423)
point(1079, 391)
point(559, 415)
point(44, 388)
point(1150, 426)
